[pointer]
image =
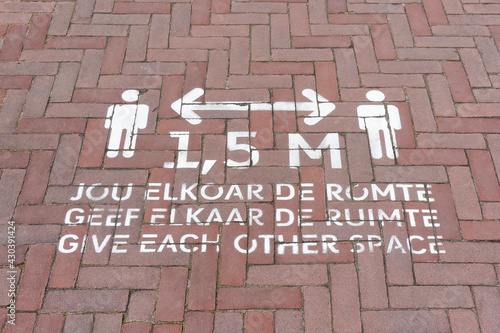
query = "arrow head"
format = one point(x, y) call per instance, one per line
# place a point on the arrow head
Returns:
point(321, 109)
point(186, 111)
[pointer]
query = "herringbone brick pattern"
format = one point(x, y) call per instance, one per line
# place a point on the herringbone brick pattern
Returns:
point(98, 248)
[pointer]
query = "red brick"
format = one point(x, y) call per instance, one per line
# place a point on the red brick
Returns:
point(158, 37)
point(435, 12)
point(459, 85)
point(437, 140)
point(110, 177)
point(382, 40)
point(38, 31)
point(414, 67)
point(90, 69)
point(372, 279)
point(280, 31)
point(463, 321)
point(418, 321)
point(168, 328)
point(14, 159)
point(282, 68)
point(258, 322)
point(104, 323)
point(221, 31)
point(232, 267)
point(113, 57)
point(35, 277)
point(38, 96)
point(392, 80)
point(260, 43)
point(11, 182)
point(15, 82)
point(227, 322)
point(462, 187)
point(13, 43)
point(49, 322)
point(430, 297)
point(310, 54)
point(217, 69)
point(398, 261)
point(240, 57)
point(337, 6)
point(418, 20)
point(180, 20)
point(423, 118)
point(454, 274)
point(288, 321)
point(119, 277)
point(345, 304)
point(484, 175)
point(487, 302)
point(428, 53)
point(494, 144)
point(94, 144)
point(326, 82)
point(86, 301)
point(287, 275)
point(202, 287)
point(317, 309)
point(24, 323)
point(479, 125)
point(66, 265)
point(347, 70)
point(429, 174)
point(401, 30)
point(171, 294)
point(11, 110)
point(321, 42)
point(65, 82)
point(441, 41)
point(53, 125)
point(37, 178)
point(130, 81)
point(474, 66)
point(141, 305)
point(299, 20)
point(61, 19)
point(29, 141)
point(199, 322)
point(432, 157)
point(66, 160)
point(37, 234)
point(441, 96)
point(137, 327)
point(141, 8)
point(484, 230)
point(98, 30)
point(259, 298)
point(51, 55)
point(78, 322)
point(471, 252)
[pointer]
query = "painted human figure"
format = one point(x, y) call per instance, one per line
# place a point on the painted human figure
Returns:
point(125, 119)
point(380, 123)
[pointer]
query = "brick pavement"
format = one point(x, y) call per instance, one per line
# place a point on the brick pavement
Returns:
point(249, 182)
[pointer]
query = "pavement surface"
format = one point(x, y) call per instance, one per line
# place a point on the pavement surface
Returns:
point(250, 166)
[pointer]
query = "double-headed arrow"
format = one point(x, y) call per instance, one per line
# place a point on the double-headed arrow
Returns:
point(186, 106)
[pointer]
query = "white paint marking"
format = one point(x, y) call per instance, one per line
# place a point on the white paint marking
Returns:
point(207, 165)
point(186, 106)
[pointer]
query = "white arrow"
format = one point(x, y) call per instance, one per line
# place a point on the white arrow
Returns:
point(186, 106)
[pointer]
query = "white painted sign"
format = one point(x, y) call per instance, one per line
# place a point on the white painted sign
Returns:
point(319, 107)
point(128, 118)
point(380, 121)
